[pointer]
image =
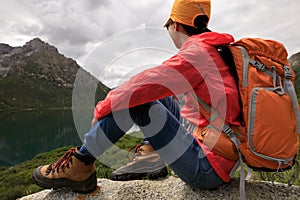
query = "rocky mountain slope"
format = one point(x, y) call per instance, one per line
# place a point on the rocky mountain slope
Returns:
point(295, 63)
point(295, 60)
point(37, 76)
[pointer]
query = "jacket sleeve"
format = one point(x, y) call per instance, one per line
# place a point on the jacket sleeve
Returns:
point(174, 76)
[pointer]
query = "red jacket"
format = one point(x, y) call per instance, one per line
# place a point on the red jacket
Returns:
point(197, 67)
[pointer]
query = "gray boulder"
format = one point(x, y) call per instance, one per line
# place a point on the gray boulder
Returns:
point(171, 188)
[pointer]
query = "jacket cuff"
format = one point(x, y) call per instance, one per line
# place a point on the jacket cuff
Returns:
point(96, 112)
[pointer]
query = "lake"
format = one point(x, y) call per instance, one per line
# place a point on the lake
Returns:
point(25, 134)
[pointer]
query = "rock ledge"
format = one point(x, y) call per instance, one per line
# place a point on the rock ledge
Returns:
point(171, 188)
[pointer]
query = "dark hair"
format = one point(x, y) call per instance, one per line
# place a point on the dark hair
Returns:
point(200, 24)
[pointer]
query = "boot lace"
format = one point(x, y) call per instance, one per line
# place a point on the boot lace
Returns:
point(62, 163)
point(137, 151)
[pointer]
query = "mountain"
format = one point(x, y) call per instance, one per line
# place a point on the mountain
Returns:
point(37, 76)
point(294, 61)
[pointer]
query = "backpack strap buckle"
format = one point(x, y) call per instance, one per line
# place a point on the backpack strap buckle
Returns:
point(287, 72)
point(258, 65)
point(227, 130)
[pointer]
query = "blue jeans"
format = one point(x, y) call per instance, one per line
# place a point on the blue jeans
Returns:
point(160, 123)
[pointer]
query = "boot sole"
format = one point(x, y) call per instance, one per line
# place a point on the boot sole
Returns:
point(138, 176)
point(85, 186)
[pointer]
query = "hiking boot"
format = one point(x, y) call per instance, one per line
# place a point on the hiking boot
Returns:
point(68, 172)
point(145, 164)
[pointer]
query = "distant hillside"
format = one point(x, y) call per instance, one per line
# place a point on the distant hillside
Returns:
point(295, 63)
point(37, 76)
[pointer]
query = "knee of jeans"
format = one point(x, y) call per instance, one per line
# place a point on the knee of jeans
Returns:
point(207, 180)
point(140, 114)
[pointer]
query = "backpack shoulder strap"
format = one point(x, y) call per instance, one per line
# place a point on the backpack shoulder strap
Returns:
point(290, 90)
point(214, 119)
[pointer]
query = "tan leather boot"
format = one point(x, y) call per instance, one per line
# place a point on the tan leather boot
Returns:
point(68, 172)
point(145, 163)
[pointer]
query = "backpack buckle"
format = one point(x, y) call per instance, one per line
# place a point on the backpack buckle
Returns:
point(287, 72)
point(258, 65)
point(227, 130)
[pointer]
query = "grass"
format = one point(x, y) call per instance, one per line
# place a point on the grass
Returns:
point(16, 181)
point(28, 92)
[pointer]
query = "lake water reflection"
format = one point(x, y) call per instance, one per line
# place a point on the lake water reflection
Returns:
point(25, 134)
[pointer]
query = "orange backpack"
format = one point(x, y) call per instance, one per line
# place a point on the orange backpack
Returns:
point(269, 139)
point(269, 104)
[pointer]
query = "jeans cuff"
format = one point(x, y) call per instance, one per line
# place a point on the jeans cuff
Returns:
point(84, 155)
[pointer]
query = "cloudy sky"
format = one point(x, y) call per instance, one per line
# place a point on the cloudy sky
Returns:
point(115, 29)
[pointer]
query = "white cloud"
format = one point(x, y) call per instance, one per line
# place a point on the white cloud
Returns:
point(125, 54)
point(272, 19)
point(74, 26)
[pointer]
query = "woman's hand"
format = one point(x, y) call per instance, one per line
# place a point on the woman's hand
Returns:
point(94, 121)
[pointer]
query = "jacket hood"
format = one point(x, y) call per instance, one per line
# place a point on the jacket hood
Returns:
point(213, 38)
